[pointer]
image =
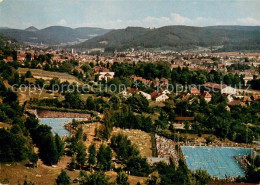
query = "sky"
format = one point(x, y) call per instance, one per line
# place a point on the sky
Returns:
point(116, 14)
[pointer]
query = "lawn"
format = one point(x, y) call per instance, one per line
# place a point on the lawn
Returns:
point(48, 75)
point(139, 138)
point(35, 93)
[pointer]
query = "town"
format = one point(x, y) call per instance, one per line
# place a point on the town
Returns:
point(170, 100)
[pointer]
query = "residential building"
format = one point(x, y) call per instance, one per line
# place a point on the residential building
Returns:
point(222, 88)
point(146, 95)
point(207, 96)
point(159, 97)
point(194, 91)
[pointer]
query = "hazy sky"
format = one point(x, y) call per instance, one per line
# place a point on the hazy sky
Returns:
point(123, 13)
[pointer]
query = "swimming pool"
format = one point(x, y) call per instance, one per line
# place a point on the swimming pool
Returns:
point(57, 124)
point(217, 161)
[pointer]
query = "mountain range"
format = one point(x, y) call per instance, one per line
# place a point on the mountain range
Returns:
point(53, 35)
point(178, 37)
point(228, 38)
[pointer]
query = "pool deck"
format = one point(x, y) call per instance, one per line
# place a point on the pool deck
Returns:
point(59, 114)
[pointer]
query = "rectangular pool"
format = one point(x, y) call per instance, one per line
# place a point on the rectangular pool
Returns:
point(57, 124)
point(217, 161)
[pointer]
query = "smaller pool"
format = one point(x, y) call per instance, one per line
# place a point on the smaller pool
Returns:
point(57, 124)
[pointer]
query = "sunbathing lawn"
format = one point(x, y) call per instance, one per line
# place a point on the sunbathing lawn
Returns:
point(140, 138)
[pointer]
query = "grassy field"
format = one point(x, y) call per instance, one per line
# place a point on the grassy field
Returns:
point(153, 116)
point(85, 96)
point(48, 75)
point(35, 93)
point(139, 138)
point(45, 175)
point(18, 172)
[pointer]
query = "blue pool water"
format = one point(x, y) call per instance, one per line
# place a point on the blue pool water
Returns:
point(57, 124)
point(217, 161)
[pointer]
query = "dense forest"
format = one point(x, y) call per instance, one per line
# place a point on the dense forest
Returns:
point(177, 37)
point(24, 132)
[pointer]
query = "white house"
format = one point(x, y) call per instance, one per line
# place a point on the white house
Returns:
point(161, 98)
point(222, 88)
point(228, 90)
point(105, 75)
point(166, 92)
point(146, 95)
point(158, 97)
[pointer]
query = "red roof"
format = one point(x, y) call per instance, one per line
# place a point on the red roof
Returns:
point(154, 94)
point(21, 55)
point(107, 74)
point(186, 98)
point(215, 86)
point(10, 58)
point(246, 99)
point(194, 91)
point(184, 118)
point(133, 90)
point(255, 97)
point(100, 69)
point(206, 95)
point(236, 102)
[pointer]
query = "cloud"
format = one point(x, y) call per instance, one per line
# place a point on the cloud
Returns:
point(248, 21)
point(178, 19)
point(150, 21)
point(172, 19)
point(62, 22)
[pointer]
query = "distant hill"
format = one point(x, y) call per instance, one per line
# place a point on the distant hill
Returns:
point(115, 38)
point(53, 35)
point(7, 42)
point(31, 28)
point(178, 37)
point(245, 28)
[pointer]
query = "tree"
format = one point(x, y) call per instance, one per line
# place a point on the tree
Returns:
point(122, 179)
point(13, 150)
point(40, 82)
point(108, 125)
point(63, 179)
point(90, 103)
point(59, 145)
point(104, 157)
point(92, 155)
point(72, 164)
point(48, 150)
point(33, 159)
point(97, 178)
point(202, 177)
point(186, 125)
point(123, 147)
point(28, 74)
point(54, 84)
point(138, 103)
point(81, 154)
point(138, 166)
point(154, 179)
point(73, 100)
point(115, 101)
